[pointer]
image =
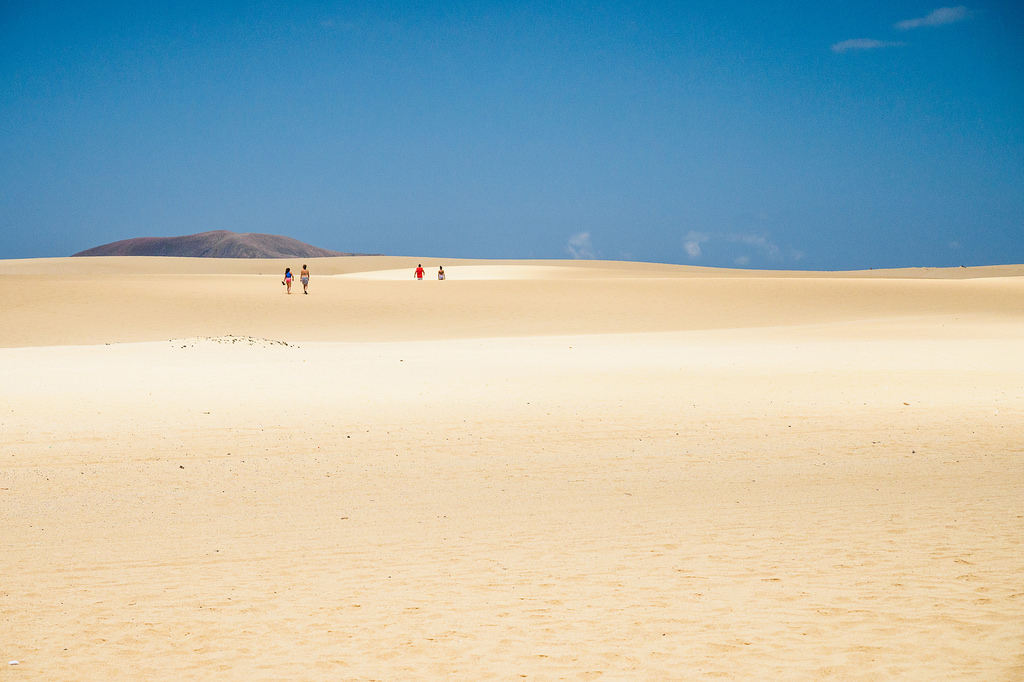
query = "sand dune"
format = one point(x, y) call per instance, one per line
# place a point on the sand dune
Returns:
point(114, 300)
point(541, 470)
point(463, 273)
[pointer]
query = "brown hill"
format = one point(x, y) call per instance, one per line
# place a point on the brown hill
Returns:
point(216, 244)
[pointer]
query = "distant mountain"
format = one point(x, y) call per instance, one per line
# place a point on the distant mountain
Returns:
point(216, 244)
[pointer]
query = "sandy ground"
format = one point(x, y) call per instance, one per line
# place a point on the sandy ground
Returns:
point(532, 470)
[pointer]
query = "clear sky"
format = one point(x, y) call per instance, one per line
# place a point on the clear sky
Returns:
point(824, 134)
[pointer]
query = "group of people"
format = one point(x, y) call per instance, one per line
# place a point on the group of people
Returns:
point(304, 277)
point(419, 272)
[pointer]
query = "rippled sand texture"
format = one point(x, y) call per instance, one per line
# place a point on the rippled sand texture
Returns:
point(540, 470)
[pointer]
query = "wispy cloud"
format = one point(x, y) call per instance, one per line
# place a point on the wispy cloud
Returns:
point(860, 44)
point(580, 246)
point(938, 17)
point(757, 241)
point(745, 247)
point(692, 243)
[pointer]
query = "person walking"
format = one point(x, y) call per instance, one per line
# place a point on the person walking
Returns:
point(304, 278)
point(287, 281)
point(440, 272)
point(419, 272)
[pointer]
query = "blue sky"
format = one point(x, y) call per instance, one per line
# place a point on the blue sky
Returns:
point(807, 135)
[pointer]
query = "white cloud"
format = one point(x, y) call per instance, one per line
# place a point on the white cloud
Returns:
point(758, 241)
point(580, 246)
point(861, 44)
point(938, 17)
point(755, 243)
point(692, 242)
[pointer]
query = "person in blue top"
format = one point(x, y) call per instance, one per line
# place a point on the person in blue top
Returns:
point(287, 281)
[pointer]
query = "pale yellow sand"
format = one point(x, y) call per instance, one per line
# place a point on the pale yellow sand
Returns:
point(530, 470)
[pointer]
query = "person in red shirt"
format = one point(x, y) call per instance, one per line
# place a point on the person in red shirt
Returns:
point(419, 271)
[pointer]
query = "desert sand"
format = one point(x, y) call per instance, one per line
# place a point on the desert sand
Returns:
point(541, 470)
